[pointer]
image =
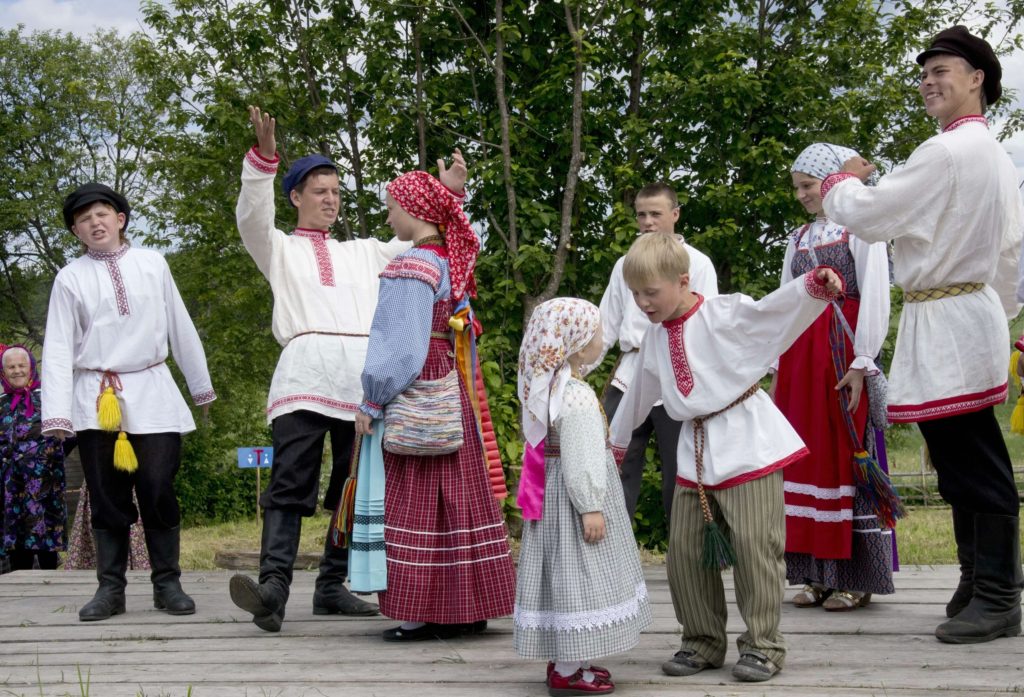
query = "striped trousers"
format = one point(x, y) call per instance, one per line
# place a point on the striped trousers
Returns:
point(753, 517)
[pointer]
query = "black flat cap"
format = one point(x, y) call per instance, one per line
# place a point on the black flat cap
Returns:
point(958, 41)
point(91, 193)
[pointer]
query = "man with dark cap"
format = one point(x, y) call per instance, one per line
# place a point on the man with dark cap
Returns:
point(325, 293)
point(955, 216)
point(105, 378)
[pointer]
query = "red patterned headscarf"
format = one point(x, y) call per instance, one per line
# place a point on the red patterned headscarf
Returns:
point(423, 196)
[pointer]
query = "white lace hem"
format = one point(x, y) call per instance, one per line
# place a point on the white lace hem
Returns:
point(581, 621)
point(820, 516)
point(826, 494)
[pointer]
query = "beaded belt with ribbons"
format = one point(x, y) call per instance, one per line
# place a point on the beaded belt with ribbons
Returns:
point(921, 296)
point(108, 415)
point(718, 553)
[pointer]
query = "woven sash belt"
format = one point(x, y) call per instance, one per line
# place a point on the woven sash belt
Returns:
point(921, 296)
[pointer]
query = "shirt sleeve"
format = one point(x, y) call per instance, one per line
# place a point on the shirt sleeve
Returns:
point(186, 346)
point(254, 213)
point(905, 203)
point(57, 371)
point(612, 308)
point(643, 393)
point(584, 455)
point(400, 333)
point(703, 277)
point(871, 261)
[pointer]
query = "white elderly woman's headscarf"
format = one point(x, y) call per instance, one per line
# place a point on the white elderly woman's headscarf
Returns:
point(822, 159)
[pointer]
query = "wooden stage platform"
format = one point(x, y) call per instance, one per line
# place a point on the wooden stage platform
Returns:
point(886, 649)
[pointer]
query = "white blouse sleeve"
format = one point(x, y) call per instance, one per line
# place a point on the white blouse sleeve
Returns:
point(584, 455)
point(254, 213)
point(643, 393)
point(872, 263)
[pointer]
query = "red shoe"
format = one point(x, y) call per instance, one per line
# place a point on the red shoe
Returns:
point(563, 686)
point(596, 670)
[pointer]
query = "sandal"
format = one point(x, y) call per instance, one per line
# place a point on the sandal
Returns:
point(845, 601)
point(811, 595)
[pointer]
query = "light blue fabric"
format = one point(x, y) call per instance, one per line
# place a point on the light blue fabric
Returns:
point(367, 563)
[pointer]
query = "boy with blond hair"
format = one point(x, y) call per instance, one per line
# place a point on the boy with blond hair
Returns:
point(703, 358)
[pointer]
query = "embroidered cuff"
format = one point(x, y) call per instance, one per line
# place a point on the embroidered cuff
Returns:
point(619, 455)
point(57, 425)
point(201, 398)
point(816, 288)
point(254, 158)
point(374, 411)
point(460, 195)
point(833, 179)
point(1019, 344)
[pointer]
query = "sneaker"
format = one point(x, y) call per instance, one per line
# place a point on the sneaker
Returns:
point(754, 666)
point(685, 662)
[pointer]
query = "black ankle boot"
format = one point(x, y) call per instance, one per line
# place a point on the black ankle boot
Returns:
point(164, 548)
point(331, 597)
point(111, 563)
point(963, 532)
point(280, 545)
point(994, 611)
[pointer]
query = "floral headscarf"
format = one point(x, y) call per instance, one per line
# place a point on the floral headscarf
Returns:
point(425, 197)
point(22, 396)
point(822, 159)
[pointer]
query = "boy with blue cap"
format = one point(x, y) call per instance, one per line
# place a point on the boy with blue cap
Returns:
point(325, 294)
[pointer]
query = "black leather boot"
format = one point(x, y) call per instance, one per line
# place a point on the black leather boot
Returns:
point(266, 599)
point(111, 563)
point(963, 532)
point(994, 610)
point(331, 597)
point(164, 548)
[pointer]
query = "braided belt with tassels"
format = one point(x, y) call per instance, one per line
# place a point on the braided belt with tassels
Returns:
point(920, 296)
point(718, 553)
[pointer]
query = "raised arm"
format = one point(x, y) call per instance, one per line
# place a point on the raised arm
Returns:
point(255, 210)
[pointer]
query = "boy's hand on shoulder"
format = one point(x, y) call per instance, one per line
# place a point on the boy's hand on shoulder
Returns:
point(593, 526)
point(265, 126)
point(453, 177)
point(859, 167)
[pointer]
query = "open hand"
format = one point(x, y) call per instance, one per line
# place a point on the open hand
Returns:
point(593, 526)
point(265, 125)
point(854, 379)
point(455, 176)
point(859, 167)
point(831, 280)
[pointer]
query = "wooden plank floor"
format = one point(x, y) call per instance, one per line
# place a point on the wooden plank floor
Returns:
point(885, 649)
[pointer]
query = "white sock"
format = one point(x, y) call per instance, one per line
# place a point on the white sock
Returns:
point(567, 668)
point(409, 626)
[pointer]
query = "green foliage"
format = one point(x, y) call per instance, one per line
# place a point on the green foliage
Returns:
point(716, 97)
point(649, 523)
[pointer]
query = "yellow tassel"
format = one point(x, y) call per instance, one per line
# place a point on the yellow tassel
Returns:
point(1017, 418)
point(124, 455)
point(1014, 378)
point(108, 411)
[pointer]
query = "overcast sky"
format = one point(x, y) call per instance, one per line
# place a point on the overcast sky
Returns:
point(85, 16)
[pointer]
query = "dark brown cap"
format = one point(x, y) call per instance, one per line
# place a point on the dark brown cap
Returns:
point(957, 41)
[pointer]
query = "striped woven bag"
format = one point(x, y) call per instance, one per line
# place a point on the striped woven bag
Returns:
point(426, 419)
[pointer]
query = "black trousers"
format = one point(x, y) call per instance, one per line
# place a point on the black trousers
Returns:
point(298, 440)
point(110, 489)
point(974, 468)
point(666, 432)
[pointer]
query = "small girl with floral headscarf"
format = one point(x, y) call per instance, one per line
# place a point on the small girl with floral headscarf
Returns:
point(581, 592)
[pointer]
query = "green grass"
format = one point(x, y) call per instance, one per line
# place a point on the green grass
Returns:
point(199, 545)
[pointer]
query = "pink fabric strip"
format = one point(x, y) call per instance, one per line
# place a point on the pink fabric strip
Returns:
point(531, 483)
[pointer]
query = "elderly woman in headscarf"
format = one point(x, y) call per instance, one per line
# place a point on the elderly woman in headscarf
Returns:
point(448, 568)
point(34, 514)
point(835, 545)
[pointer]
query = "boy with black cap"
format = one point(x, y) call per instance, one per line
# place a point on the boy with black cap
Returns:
point(105, 378)
point(955, 216)
point(325, 294)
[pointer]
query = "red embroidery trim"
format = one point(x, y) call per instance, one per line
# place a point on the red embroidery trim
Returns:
point(111, 259)
point(411, 267)
point(201, 398)
point(51, 424)
point(970, 118)
point(316, 399)
point(833, 179)
point(261, 163)
point(817, 289)
point(677, 349)
point(749, 476)
point(950, 406)
point(318, 238)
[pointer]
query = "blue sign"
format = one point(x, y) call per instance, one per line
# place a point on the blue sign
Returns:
point(256, 457)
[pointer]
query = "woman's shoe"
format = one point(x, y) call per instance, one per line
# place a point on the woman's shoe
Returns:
point(564, 685)
point(845, 601)
point(811, 595)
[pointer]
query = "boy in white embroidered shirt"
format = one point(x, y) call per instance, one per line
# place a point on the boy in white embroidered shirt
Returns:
point(704, 358)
